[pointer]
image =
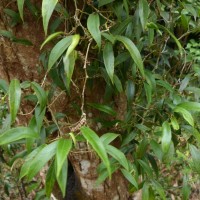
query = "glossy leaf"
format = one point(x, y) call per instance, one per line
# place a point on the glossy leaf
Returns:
point(108, 138)
point(69, 63)
point(97, 145)
point(143, 12)
point(15, 134)
point(62, 178)
point(51, 37)
point(41, 159)
point(108, 57)
point(129, 177)
point(186, 114)
point(166, 136)
point(48, 7)
point(58, 50)
point(103, 108)
point(20, 5)
point(25, 167)
point(118, 155)
point(63, 149)
point(134, 52)
point(74, 43)
point(41, 94)
point(193, 106)
point(14, 98)
point(50, 180)
point(93, 24)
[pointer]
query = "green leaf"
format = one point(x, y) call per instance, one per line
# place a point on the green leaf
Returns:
point(173, 37)
point(195, 153)
point(186, 114)
point(148, 91)
point(130, 91)
point(145, 191)
point(165, 84)
point(159, 189)
point(62, 179)
point(143, 12)
point(74, 43)
point(146, 167)
point(174, 123)
point(15, 134)
point(141, 150)
point(63, 149)
point(51, 37)
point(20, 5)
point(103, 108)
point(193, 106)
point(7, 34)
point(104, 2)
point(14, 98)
point(103, 175)
point(4, 86)
point(41, 95)
point(134, 52)
point(41, 159)
point(50, 180)
point(108, 57)
point(166, 136)
point(58, 50)
point(118, 155)
point(186, 189)
point(47, 9)
point(117, 83)
point(97, 145)
point(129, 177)
point(108, 138)
point(69, 63)
point(93, 24)
point(25, 167)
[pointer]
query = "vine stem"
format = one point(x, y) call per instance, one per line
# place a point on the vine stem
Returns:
point(86, 77)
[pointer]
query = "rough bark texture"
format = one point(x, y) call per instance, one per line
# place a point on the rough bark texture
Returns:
point(85, 163)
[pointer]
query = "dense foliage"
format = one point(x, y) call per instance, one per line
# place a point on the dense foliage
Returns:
point(145, 57)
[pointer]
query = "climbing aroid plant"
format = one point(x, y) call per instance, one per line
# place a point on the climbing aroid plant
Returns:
point(128, 74)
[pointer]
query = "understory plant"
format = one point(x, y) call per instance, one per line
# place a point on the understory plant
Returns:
point(142, 59)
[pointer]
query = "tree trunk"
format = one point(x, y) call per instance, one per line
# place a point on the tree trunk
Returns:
point(85, 164)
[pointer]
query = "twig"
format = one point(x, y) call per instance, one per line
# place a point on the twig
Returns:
point(86, 77)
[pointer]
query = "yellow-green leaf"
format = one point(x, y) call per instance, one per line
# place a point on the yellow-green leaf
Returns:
point(51, 37)
point(48, 7)
point(20, 5)
point(63, 149)
point(15, 134)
